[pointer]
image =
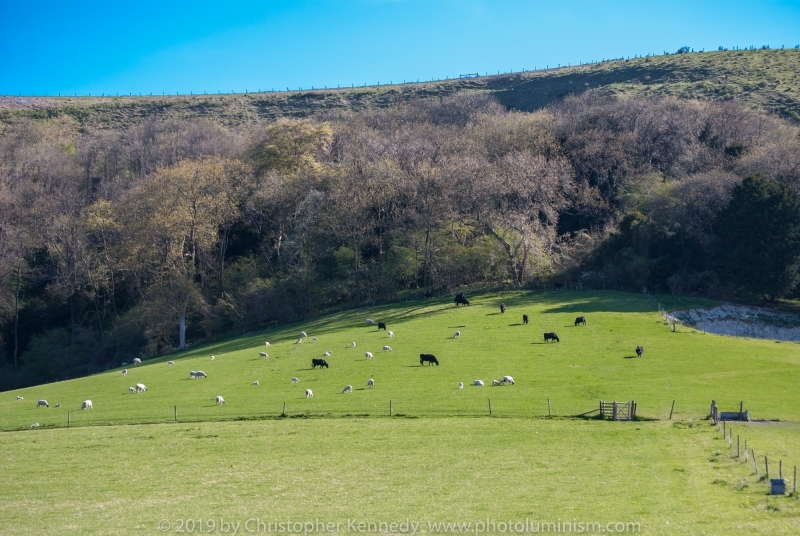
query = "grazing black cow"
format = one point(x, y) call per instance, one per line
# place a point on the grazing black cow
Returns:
point(502, 308)
point(639, 351)
point(319, 362)
point(461, 300)
point(382, 325)
point(580, 320)
point(524, 319)
point(551, 337)
point(430, 358)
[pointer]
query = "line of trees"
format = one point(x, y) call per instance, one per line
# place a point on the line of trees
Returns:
point(116, 244)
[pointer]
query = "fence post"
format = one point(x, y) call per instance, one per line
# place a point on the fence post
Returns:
point(794, 487)
point(780, 469)
point(67, 418)
point(548, 407)
point(283, 413)
point(737, 445)
point(670, 410)
point(390, 407)
point(490, 407)
point(766, 466)
point(176, 412)
point(741, 407)
point(755, 460)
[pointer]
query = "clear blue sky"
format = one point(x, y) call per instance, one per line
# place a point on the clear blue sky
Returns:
point(144, 46)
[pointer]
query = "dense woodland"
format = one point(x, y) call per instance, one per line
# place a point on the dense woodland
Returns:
point(117, 243)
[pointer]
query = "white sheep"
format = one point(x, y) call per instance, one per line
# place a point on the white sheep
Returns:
point(255, 382)
point(326, 354)
point(314, 339)
point(370, 322)
point(303, 335)
point(295, 380)
point(140, 387)
point(35, 425)
point(478, 383)
point(508, 379)
point(220, 400)
point(495, 382)
point(370, 383)
point(137, 361)
point(460, 385)
point(369, 355)
point(457, 334)
point(298, 341)
point(58, 405)
point(86, 404)
point(124, 372)
point(197, 374)
point(263, 354)
point(20, 398)
point(171, 363)
point(41, 403)
point(387, 348)
point(353, 344)
point(131, 389)
point(347, 389)
point(267, 344)
point(212, 358)
point(309, 394)
point(390, 334)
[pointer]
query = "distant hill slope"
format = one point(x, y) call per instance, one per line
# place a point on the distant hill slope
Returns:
point(767, 79)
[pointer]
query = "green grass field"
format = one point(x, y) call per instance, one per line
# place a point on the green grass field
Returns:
point(440, 458)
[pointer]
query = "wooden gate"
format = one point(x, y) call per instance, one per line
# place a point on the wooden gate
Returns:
point(618, 411)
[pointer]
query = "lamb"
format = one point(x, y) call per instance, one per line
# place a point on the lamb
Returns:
point(508, 379)
point(370, 322)
point(58, 405)
point(369, 355)
point(353, 344)
point(266, 344)
point(131, 389)
point(41, 403)
point(639, 351)
point(303, 335)
point(220, 400)
point(391, 334)
point(35, 425)
point(309, 393)
point(314, 339)
point(255, 382)
point(387, 348)
point(212, 358)
point(140, 387)
point(87, 404)
point(347, 389)
point(457, 334)
point(137, 361)
point(524, 319)
point(299, 341)
point(326, 354)
point(460, 385)
point(370, 383)
point(171, 363)
point(124, 372)
point(502, 308)
point(295, 380)
point(478, 383)
point(382, 325)
point(263, 354)
point(495, 382)
point(20, 398)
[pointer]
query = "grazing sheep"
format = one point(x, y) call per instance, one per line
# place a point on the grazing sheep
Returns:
point(580, 320)
point(255, 382)
point(478, 383)
point(309, 393)
point(347, 389)
point(353, 344)
point(457, 334)
point(428, 358)
point(460, 385)
point(137, 361)
point(124, 372)
point(370, 322)
point(35, 425)
point(140, 387)
point(197, 374)
point(58, 405)
point(212, 358)
point(303, 335)
point(263, 354)
point(314, 339)
point(387, 348)
point(495, 382)
point(131, 389)
point(508, 379)
point(299, 341)
point(266, 344)
point(326, 354)
point(171, 363)
point(502, 308)
point(382, 325)
point(369, 355)
point(461, 300)
point(551, 337)
point(20, 398)
point(318, 363)
point(42, 403)
point(220, 400)
point(86, 404)
point(639, 351)
point(524, 319)
point(391, 334)
point(370, 383)
point(295, 380)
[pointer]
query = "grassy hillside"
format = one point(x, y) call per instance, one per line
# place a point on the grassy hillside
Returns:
point(767, 79)
point(441, 458)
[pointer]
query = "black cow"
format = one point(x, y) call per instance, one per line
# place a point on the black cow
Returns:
point(319, 362)
point(551, 337)
point(430, 358)
point(382, 325)
point(580, 320)
point(524, 319)
point(502, 308)
point(461, 300)
point(639, 351)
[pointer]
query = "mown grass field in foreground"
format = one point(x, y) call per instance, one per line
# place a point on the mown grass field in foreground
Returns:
point(670, 478)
